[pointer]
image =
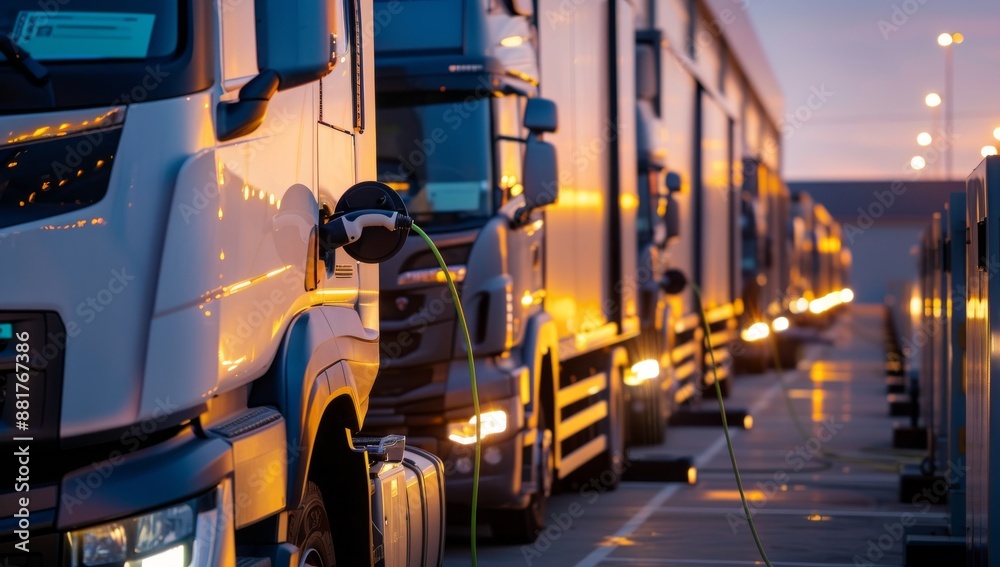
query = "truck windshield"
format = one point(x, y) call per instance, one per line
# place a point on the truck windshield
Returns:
point(437, 156)
point(91, 30)
point(89, 53)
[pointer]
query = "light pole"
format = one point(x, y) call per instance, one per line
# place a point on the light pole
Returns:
point(933, 101)
point(948, 41)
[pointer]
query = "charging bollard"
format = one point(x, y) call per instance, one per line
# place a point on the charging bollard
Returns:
point(660, 469)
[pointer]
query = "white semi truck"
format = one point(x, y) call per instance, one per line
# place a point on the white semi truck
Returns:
point(186, 345)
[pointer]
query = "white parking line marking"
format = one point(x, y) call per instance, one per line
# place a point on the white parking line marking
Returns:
point(726, 562)
point(716, 510)
point(601, 553)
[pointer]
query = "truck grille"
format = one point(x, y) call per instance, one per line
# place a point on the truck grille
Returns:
point(392, 383)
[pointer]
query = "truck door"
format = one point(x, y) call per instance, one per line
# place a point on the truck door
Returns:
point(336, 164)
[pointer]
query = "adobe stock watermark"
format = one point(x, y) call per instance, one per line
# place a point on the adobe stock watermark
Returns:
point(883, 200)
point(899, 16)
point(924, 333)
point(100, 471)
point(561, 522)
point(207, 195)
point(92, 140)
point(796, 459)
point(894, 532)
point(713, 30)
point(796, 119)
point(88, 310)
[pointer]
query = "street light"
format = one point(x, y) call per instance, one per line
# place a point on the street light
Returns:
point(918, 163)
point(989, 151)
point(996, 133)
point(925, 139)
point(933, 101)
point(948, 42)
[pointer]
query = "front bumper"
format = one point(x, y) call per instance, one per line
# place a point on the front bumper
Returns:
point(508, 461)
point(505, 477)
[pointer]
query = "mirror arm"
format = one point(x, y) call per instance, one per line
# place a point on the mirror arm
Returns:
point(244, 115)
point(521, 217)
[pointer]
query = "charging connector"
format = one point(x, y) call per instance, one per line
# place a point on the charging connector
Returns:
point(346, 229)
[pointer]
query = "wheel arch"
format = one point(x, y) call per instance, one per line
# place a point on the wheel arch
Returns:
point(541, 354)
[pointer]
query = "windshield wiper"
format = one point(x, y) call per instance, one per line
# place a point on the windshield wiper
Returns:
point(23, 61)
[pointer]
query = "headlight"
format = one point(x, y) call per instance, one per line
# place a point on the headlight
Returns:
point(465, 433)
point(756, 332)
point(800, 305)
point(780, 324)
point(170, 537)
point(642, 371)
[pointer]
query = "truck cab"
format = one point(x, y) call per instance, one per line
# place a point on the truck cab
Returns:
point(453, 110)
point(651, 396)
point(765, 262)
point(184, 359)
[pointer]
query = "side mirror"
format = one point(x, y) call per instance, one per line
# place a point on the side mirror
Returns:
point(541, 179)
point(541, 116)
point(294, 47)
point(674, 282)
point(673, 181)
point(294, 40)
point(541, 171)
point(244, 115)
point(523, 7)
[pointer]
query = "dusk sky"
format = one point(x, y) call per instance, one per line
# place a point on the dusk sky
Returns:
point(878, 76)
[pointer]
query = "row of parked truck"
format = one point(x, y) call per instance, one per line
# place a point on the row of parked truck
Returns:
point(942, 357)
point(203, 361)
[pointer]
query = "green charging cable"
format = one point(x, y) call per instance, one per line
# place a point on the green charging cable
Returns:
point(472, 380)
point(725, 427)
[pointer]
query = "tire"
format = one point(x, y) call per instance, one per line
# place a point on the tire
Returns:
point(615, 425)
point(725, 385)
point(788, 356)
point(309, 530)
point(645, 427)
point(523, 526)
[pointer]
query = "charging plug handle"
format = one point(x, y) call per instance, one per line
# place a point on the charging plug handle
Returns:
point(347, 228)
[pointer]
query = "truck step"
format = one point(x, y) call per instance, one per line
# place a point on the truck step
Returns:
point(907, 437)
point(253, 562)
point(661, 469)
point(900, 405)
point(736, 418)
point(247, 421)
point(389, 448)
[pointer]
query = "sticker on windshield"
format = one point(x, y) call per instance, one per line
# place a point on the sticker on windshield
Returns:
point(83, 35)
point(453, 196)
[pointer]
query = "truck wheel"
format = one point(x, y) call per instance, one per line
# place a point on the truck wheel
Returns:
point(523, 526)
point(645, 423)
point(309, 530)
point(788, 356)
point(610, 463)
point(520, 526)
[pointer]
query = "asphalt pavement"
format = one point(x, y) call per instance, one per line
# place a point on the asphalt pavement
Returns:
point(818, 469)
